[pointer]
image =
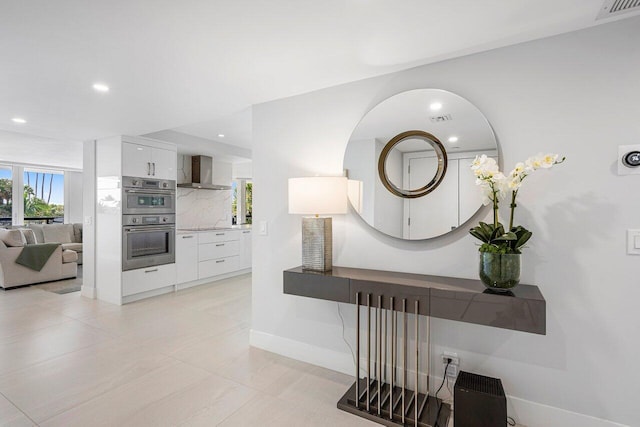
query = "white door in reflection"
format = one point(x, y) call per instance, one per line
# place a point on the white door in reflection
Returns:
point(436, 213)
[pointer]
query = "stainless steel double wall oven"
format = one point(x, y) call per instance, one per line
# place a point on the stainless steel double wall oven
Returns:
point(148, 222)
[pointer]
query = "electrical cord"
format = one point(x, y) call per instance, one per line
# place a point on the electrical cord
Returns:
point(345, 339)
point(511, 421)
point(444, 377)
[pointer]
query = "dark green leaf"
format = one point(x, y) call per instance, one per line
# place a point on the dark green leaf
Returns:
point(523, 239)
point(478, 235)
point(498, 231)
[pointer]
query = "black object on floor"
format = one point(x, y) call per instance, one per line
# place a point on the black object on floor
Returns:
point(479, 401)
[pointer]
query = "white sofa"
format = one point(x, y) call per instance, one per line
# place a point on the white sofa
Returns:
point(69, 235)
point(61, 265)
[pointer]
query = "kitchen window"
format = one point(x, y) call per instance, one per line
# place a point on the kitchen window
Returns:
point(242, 201)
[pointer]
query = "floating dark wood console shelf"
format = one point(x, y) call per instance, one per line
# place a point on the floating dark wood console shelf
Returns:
point(465, 300)
point(382, 395)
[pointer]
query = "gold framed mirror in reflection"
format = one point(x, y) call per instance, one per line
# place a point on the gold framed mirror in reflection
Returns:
point(387, 200)
point(394, 152)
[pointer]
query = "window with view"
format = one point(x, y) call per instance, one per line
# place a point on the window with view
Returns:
point(248, 192)
point(241, 201)
point(6, 194)
point(43, 196)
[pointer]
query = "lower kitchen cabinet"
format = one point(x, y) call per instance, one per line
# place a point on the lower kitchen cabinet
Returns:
point(245, 250)
point(205, 255)
point(216, 267)
point(209, 251)
point(218, 253)
point(148, 279)
point(186, 257)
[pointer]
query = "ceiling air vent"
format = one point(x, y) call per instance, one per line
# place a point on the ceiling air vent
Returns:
point(612, 8)
point(444, 117)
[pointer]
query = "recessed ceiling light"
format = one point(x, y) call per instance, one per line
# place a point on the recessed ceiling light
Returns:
point(18, 120)
point(221, 135)
point(100, 87)
point(453, 139)
point(435, 106)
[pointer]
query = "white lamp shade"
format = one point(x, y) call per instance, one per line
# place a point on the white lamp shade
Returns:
point(318, 195)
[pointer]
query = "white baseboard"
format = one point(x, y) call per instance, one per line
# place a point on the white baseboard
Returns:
point(148, 294)
point(533, 414)
point(330, 359)
point(524, 412)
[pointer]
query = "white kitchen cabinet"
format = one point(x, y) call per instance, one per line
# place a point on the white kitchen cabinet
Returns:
point(216, 267)
point(218, 236)
point(148, 279)
point(136, 160)
point(218, 252)
point(211, 255)
point(186, 257)
point(164, 163)
point(244, 260)
point(145, 161)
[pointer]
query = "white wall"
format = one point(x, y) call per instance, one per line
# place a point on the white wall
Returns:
point(576, 94)
point(89, 220)
point(359, 164)
point(242, 170)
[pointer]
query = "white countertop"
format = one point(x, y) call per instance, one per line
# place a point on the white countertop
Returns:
point(208, 229)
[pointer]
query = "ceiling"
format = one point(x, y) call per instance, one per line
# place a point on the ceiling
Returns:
point(196, 66)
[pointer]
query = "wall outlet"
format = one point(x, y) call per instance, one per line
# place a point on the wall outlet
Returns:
point(455, 361)
point(452, 371)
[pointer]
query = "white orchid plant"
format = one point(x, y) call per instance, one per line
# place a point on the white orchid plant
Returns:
point(496, 185)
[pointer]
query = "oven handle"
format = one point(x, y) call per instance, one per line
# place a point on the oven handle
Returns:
point(144, 228)
point(167, 192)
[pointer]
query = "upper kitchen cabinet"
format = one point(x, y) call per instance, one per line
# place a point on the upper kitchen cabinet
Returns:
point(143, 160)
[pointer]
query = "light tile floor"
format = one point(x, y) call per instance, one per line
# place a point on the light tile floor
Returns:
point(181, 359)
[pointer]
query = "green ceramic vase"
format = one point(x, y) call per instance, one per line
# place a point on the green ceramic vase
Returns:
point(499, 272)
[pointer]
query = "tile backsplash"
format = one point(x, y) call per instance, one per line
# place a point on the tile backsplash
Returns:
point(203, 208)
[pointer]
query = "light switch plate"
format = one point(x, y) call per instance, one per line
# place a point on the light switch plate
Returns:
point(633, 242)
point(263, 231)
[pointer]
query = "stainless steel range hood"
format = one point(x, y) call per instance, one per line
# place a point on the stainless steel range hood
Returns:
point(202, 175)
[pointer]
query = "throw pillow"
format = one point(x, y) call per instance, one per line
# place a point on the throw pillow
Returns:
point(29, 236)
point(37, 230)
point(11, 237)
point(58, 233)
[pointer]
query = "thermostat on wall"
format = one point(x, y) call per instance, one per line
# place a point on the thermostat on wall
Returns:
point(629, 159)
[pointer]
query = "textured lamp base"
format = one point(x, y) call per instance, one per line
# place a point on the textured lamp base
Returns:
point(316, 244)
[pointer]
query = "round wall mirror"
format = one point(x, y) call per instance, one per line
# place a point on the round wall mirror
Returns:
point(409, 163)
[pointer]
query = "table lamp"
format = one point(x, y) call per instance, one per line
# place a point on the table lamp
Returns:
point(317, 195)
